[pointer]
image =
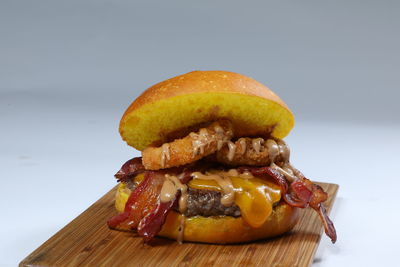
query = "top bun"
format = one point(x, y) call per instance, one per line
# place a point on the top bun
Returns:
point(171, 108)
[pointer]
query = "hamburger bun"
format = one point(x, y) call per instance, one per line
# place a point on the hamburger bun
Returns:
point(170, 108)
point(214, 166)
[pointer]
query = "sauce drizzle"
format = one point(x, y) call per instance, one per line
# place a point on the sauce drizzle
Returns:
point(242, 142)
point(164, 154)
point(257, 144)
point(169, 189)
point(273, 150)
point(232, 150)
point(224, 182)
point(200, 140)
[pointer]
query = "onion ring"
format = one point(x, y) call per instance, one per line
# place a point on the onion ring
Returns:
point(190, 148)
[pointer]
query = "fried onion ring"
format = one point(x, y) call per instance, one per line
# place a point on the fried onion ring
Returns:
point(190, 148)
point(252, 152)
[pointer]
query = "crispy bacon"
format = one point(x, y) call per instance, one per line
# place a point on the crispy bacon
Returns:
point(143, 210)
point(141, 202)
point(301, 193)
point(328, 224)
point(130, 169)
point(316, 203)
point(146, 213)
point(274, 174)
point(151, 225)
point(185, 176)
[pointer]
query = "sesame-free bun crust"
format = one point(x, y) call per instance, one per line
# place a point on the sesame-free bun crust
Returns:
point(226, 229)
point(202, 96)
point(222, 229)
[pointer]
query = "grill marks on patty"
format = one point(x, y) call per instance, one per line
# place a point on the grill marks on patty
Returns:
point(202, 202)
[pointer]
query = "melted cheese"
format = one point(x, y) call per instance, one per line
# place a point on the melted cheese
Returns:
point(139, 178)
point(224, 182)
point(255, 197)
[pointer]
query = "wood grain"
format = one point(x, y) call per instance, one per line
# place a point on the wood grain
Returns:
point(87, 241)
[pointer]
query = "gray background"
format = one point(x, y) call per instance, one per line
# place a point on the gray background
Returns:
point(68, 70)
point(338, 57)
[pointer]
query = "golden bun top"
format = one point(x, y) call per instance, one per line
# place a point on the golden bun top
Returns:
point(169, 109)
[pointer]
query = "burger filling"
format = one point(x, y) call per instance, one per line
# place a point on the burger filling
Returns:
point(202, 202)
point(208, 173)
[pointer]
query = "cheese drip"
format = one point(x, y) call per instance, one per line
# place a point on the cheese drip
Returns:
point(224, 182)
point(254, 196)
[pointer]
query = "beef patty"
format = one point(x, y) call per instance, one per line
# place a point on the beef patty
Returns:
point(201, 202)
point(208, 203)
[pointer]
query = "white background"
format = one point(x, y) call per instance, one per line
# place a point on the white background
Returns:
point(69, 69)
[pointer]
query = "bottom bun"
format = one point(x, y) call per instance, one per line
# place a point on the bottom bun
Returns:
point(221, 229)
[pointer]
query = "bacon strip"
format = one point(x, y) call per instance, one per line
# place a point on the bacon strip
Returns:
point(328, 224)
point(301, 193)
point(260, 171)
point(143, 210)
point(299, 196)
point(151, 225)
point(130, 169)
point(141, 202)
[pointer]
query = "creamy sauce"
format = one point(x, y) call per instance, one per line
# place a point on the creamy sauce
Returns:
point(205, 137)
point(224, 182)
point(181, 230)
point(246, 175)
point(257, 144)
point(284, 151)
point(235, 173)
point(221, 137)
point(289, 175)
point(242, 143)
point(169, 189)
point(218, 129)
point(273, 150)
point(288, 168)
point(232, 150)
point(183, 189)
point(280, 149)
point(164, 154)
point(200, 140)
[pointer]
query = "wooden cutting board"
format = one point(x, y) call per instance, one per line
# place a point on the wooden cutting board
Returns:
point(87, 241)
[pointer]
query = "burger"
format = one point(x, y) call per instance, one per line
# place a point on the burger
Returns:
point(213, 165)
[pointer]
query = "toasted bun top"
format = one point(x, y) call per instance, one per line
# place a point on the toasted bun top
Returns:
point(170, 108)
